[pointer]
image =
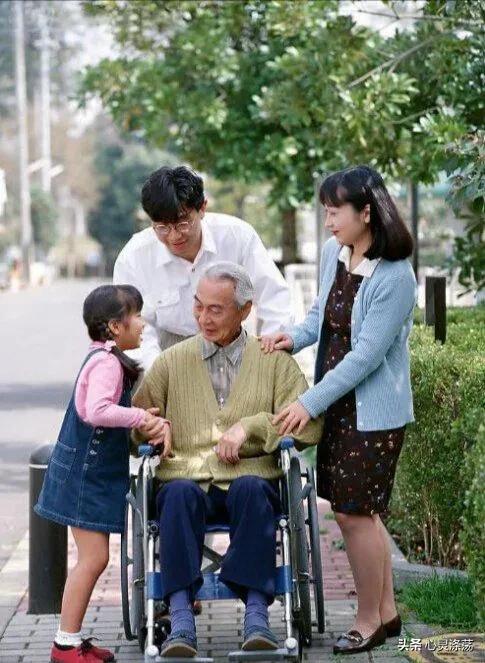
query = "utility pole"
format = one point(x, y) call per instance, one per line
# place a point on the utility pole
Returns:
point(45, 99)
point(21, 93)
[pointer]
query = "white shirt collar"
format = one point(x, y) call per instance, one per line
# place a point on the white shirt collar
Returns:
point(208, 241)
point(164, 255)
point(365, 268)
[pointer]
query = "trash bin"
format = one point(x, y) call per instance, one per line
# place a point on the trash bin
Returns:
point(47, 545)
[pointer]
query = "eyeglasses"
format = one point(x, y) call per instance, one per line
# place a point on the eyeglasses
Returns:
point(182, 227)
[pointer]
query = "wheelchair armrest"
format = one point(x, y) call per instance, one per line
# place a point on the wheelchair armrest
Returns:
point(287, 443)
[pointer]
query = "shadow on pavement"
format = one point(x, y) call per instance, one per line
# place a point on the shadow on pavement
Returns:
point(20, 396)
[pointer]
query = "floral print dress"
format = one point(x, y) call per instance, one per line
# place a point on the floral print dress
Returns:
point(355, 469)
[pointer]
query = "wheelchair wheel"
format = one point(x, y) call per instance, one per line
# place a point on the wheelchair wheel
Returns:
point(299, 556)
point(315, 554)
point(132, 568)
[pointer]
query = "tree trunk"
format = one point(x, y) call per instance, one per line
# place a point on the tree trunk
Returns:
point(240, 206)
point(288, 238)
point(414, 205)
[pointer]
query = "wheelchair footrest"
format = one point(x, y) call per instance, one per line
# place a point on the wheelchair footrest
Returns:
point(159, 659)
point(213, 588)
point(282, 654)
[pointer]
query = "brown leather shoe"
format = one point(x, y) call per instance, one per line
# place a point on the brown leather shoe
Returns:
point(352, 642)
point(393, 627)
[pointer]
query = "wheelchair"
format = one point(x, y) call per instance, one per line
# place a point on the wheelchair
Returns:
point(299, 564)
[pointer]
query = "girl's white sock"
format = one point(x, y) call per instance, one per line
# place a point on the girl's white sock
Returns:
point(66, 639)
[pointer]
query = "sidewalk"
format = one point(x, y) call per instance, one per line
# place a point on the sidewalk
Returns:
point(28, 638)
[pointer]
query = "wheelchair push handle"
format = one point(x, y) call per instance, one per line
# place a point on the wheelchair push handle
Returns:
point(150, 450)
point(287, 443)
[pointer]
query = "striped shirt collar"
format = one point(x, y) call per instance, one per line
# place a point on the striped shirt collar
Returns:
point(232, 351)
point(365, 268)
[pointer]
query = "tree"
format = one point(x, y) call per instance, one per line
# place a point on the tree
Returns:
point(466, 168)
point(274, 91)
point(44, 219)
point(248, 202)
point(122, 169)
point(250, 91)
point(447, 132)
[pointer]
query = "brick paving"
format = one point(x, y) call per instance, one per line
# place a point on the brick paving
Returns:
point(27, 638)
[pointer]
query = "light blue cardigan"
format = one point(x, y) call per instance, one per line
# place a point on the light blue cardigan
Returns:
point(378, 364)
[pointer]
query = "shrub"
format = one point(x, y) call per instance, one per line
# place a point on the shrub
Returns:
point(432, 477)
point(473, 534)
point(472, 315)
point(469, 314)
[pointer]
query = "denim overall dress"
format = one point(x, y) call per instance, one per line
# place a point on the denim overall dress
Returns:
point(88, 474)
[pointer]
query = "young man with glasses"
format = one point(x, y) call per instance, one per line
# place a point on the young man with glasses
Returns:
point(166, 260)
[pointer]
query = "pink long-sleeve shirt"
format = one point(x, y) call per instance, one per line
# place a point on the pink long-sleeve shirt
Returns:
point(98, 391)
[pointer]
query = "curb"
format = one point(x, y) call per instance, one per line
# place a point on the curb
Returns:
point(404, 572)
point(13, 581)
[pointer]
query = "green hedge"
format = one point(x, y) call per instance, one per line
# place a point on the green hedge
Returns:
point(433, 476)
point(473, 533)
point(438, 502)
point(471, 315)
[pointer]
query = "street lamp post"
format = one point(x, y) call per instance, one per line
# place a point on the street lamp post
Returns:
point(21, 94)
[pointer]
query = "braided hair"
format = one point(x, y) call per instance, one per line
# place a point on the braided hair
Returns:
point(112, 302)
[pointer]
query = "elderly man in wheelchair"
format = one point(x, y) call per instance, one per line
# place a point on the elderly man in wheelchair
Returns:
point(224, 466)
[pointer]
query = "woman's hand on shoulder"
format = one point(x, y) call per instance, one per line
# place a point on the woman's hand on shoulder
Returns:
point(278, 341)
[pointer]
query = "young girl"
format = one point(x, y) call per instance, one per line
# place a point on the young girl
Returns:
point(88, 474)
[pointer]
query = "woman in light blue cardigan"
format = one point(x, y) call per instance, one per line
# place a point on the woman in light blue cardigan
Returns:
point(361, 321)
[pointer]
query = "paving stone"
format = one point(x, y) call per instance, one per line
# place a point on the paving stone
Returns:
point(28, 637)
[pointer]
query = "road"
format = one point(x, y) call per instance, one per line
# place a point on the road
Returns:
point(42, 343)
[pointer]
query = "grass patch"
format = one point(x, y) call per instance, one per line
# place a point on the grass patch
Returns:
point(329, 516)
point(447, 601)
point(323, 530)
point(338, 544)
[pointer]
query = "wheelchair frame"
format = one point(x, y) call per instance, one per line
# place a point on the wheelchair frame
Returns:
point(293, 577)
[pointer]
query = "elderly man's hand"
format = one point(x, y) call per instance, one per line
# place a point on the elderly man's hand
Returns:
point(153, 426)
point(227, 449)
point(166, 439)
point(292, 416)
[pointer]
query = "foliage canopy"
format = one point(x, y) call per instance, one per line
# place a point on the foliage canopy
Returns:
point(274, 91)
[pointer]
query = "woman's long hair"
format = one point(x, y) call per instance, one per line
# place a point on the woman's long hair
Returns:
point(361, 186)
point(112, 302)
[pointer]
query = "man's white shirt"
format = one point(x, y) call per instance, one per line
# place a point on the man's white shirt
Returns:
point(168, 283)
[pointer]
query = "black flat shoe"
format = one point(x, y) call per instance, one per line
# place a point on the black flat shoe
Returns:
point(352, 642)
point(393, 627)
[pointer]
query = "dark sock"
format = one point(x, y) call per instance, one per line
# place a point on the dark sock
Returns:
point(181, 613)
point(63, 647)
point(256, 610)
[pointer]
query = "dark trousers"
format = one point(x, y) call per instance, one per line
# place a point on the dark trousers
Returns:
point(250, 507)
